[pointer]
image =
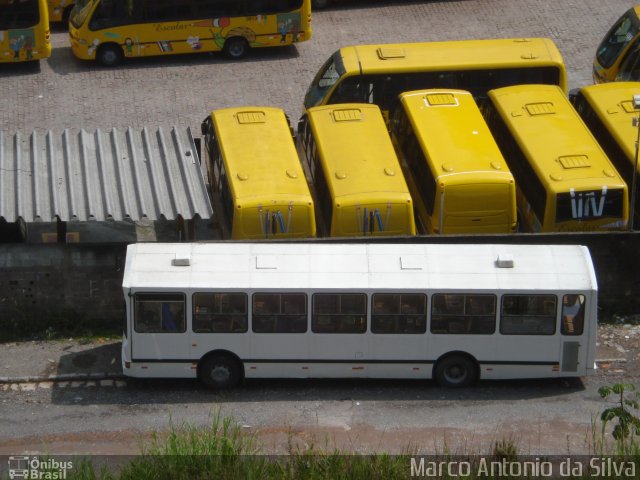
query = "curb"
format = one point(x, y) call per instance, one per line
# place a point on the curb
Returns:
point(63, 377)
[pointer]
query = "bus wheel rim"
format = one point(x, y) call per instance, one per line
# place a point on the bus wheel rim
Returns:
point(455, 374)
point(220, 374)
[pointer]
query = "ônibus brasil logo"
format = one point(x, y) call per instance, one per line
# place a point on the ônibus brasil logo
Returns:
point(21, 466)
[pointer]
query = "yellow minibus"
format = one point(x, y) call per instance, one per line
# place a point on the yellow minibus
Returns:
point(256, 172)
point(565, 181)
point(24, 31)
point(618, 54)
point(611, 114)
point(379, 73)
point(459, 181)
point(359, 185)
point(109, 30)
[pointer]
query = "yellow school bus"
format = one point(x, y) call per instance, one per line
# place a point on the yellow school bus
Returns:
point(359, 185)
point(24, 31)
point(109, 30)
point(256, 171)
point(458, 179)
point(618, 54)
point(565, 181)
point(379, 73)
point(609, 111)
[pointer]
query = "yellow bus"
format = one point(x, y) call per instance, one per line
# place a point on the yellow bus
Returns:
point(359, 185)
point(60, 10)
point(458, 179)
point(619, 51)
point(109, 30)
point(379, 73)
point(24, 31)
point(255, 170)
point(565, 182)
point(609, 112)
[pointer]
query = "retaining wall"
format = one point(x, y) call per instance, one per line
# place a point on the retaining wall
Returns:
point(85, 280)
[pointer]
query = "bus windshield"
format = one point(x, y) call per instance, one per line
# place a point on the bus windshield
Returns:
point(617, 39)
point(80, 12)
point(588, 205)
point(326, 78)
point(18, 14)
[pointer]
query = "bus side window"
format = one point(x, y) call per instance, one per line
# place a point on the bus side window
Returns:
point(218, 8)
point(352, 89)
point(339, 313)
point(629, 69)
point(279, 313)
point(528, 315)
point(160, 313)
point(399, 313)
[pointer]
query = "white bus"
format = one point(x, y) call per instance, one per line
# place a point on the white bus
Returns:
point(223, 312)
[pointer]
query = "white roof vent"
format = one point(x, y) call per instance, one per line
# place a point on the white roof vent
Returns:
point(181, 261)
point(505, 260)
point(266, 262)
point(411, 263)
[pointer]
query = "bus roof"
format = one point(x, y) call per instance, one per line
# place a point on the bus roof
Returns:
point(461, 54)
point(259, 155)
point(358, 158)
point(557, 143)
point(451, 130)
point(613, 104)
point(418, 267)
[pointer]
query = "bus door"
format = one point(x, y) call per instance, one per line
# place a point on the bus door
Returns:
point(573, 332)
point(530, 321)
point(160, 328)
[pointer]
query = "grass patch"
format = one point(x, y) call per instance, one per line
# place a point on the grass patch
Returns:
point(223, 451)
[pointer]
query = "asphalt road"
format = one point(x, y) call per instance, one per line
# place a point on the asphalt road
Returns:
point(116, 416)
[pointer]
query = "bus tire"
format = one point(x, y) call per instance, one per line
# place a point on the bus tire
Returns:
point(219, 371)
point(236, 47)
point(456, 371)
point(109, 55)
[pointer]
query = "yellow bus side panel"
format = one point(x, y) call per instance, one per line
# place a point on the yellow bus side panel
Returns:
point(192, 36)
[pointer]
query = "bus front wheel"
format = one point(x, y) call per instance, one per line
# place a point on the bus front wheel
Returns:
point(236, 47)
point(109, 55)
point(219, 371)
point(456, 371)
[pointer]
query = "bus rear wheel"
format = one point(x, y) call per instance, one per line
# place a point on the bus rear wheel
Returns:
point(109, 55)
point(236, 47)
point(220, 372)
point(456, 371)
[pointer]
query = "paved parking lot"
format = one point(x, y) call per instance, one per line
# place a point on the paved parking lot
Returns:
point(180, 90)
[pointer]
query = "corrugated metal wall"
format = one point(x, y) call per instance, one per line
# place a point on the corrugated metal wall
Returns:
point(115, 175)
